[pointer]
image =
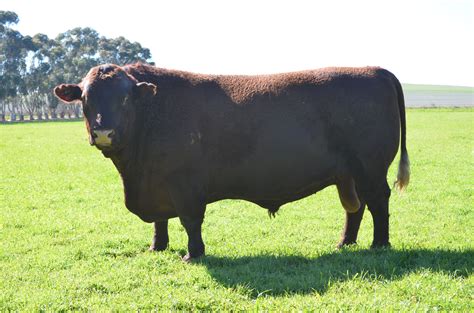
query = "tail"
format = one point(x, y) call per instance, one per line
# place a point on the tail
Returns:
point(403, 176)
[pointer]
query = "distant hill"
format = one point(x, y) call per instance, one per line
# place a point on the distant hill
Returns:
point(438, 96)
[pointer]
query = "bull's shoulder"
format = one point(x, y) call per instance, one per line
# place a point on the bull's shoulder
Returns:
point(166, 78)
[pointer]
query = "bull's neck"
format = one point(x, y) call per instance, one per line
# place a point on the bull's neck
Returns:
point(129, 157)
point(123, 161)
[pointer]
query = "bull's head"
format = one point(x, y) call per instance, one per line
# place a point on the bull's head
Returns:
point(110, 102)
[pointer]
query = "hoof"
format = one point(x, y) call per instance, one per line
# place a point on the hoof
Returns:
point(377, 245)
point(189, 259)
point(344, 244)
point(158, 247)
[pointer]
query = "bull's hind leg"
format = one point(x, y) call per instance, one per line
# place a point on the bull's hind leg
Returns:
point(160, 238)
point(377, 198)
point(371, 185)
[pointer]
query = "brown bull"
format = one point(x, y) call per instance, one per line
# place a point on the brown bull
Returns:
point(182, 140)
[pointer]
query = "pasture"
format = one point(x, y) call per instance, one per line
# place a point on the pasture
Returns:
point(67, 242)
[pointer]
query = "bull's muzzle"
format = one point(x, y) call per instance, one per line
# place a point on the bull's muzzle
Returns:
point(103, 138)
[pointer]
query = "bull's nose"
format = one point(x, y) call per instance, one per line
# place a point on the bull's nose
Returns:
point(103, 137)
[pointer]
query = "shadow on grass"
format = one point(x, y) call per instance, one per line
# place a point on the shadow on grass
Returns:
point(279, 275)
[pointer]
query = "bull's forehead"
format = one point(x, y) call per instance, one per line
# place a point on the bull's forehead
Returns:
point(112, 88)
point(108, 77)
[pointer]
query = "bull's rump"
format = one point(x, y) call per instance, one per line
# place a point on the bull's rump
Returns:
point(286, 144)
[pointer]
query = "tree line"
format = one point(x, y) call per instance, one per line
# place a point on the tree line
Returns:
point(30, 66)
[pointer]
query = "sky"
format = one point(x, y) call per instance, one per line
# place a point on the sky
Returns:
point(424, 42)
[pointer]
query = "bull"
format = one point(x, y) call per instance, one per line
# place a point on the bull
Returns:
point(182, 140)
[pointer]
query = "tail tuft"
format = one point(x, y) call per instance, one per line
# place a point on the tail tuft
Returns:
point(272, 211)
point(403, 176)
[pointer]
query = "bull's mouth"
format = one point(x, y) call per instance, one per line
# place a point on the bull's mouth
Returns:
point(102, 139)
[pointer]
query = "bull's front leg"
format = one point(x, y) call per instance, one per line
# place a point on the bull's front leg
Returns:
point(196, 247)
point(187, 196)
point(160, 238)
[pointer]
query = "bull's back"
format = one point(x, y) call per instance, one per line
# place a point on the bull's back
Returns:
point(287, 136)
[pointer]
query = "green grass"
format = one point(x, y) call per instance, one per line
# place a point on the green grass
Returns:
point(68, 243)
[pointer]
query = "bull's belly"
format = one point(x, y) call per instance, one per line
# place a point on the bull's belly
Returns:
point(273, 198)
point(275, 180)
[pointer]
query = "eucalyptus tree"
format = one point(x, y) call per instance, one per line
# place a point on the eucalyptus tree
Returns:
point(121, 51)
point(45, 70)
point(14, 48)
point(80, 52)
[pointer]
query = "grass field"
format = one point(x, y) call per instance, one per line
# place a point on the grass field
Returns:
point(68, 243)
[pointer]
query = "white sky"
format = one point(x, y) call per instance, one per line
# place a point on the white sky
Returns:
point(426, 42)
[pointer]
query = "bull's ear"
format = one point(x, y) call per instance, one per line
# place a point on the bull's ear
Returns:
point(144, 89)
point(68, 92)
